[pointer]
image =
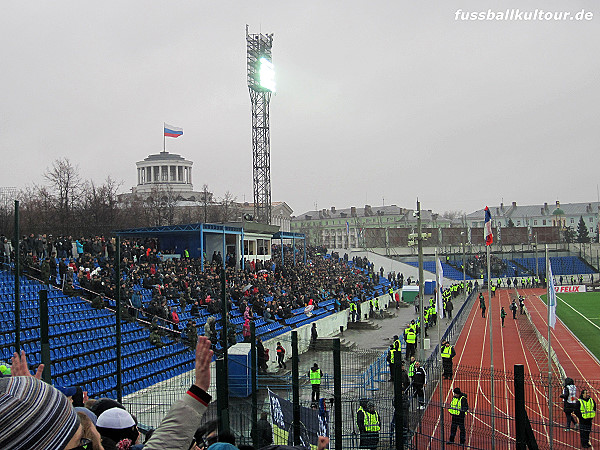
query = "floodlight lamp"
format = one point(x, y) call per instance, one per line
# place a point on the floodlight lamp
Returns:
point(266, 74)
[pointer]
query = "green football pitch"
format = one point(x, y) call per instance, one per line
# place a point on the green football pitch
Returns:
point(581, 314)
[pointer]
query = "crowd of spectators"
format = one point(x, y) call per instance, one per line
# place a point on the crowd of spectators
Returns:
point(270, 289)
point(476, 266)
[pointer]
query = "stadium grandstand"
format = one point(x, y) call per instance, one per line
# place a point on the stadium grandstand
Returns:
point(276, 300)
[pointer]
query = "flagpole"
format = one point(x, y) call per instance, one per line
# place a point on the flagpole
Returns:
point(489, 280)
point(438, 293)
point(164, 139)
point(421, 287)
point(549, 286)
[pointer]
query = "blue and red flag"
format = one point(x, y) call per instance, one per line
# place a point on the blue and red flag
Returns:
point(174, 132)
point(487, 229)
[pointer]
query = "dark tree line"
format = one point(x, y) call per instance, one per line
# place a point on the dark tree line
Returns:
point(66, 204)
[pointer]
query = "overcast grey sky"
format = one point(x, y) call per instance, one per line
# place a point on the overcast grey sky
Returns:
point(375, 99)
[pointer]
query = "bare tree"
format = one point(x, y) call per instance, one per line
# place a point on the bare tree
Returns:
point(99, 212)
point(161, 206)
point(228, 207)
point(64, 190)
point(206, 200)
point(7, 197)
point(451, 215)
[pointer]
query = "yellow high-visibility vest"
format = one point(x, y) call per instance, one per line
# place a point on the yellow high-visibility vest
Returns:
point(371, 420)
point(587, 408)
point(446, 351)
point(315, 376)
point(455, 406)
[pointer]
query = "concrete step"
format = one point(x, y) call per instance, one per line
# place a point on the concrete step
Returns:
point(363, 325)
point(325, 344)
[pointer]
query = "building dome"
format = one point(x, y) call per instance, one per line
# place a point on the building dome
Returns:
point(166, 171)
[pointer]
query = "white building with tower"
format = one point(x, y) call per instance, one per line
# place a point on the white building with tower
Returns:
point(166, 171)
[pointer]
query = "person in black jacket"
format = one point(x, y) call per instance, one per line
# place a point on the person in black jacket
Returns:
point(263, 433)
point(419, 380)
point(571, 404)
point(368, 424)
point(448, 353)
point(586, 414)
point(260, 356)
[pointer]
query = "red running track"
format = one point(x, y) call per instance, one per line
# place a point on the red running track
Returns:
point(473, 354)
point(575, 358)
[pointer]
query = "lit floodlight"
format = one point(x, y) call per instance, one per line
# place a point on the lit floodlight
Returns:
point(261, 84)
point(266, 74)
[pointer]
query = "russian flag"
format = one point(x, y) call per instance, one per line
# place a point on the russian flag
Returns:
point(487, 229)
point(173, 132)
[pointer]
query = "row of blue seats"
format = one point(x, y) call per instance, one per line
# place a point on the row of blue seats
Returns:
point(157, 378)
point(300, 318)
point(95, 365)
point(275, 333)
point(90, 369)
point(565, 265)
point(313, 318)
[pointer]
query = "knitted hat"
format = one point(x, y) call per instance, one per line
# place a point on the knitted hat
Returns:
point(33, 414)
point(117, 424)
point(457, 391)
point(104, 404)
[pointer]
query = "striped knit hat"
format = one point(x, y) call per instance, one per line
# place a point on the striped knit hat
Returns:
point(33, 414)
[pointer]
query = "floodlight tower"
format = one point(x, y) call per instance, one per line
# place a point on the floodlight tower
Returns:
point(261, 83)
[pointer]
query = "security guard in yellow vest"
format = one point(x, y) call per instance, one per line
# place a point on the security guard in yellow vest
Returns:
point(458, 409)
point(411, 342)
point(391, 358)
point(587, 412)
point(315, 375)
point(367, 421)
point(397, 343)
point(353, 311)
point(448, 353)
point(411, 367)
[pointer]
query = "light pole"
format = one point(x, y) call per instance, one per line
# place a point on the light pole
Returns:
point(421, 285)
point(537, 272)
point(464, 237)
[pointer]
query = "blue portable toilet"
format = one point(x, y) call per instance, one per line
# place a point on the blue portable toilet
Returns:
point(429, 287)
point(240, 370)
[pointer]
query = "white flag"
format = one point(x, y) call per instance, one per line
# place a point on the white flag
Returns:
point(551, 297)
point(439, 272)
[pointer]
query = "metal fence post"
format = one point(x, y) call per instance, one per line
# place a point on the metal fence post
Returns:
point(254, 374)
point(520, 407)
point(398, 405)
point(524, 433)
point(118, 321)
point(296, 388)
point(17, 248)
point(222, 399)
point(337, 392)
point(45, 336)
